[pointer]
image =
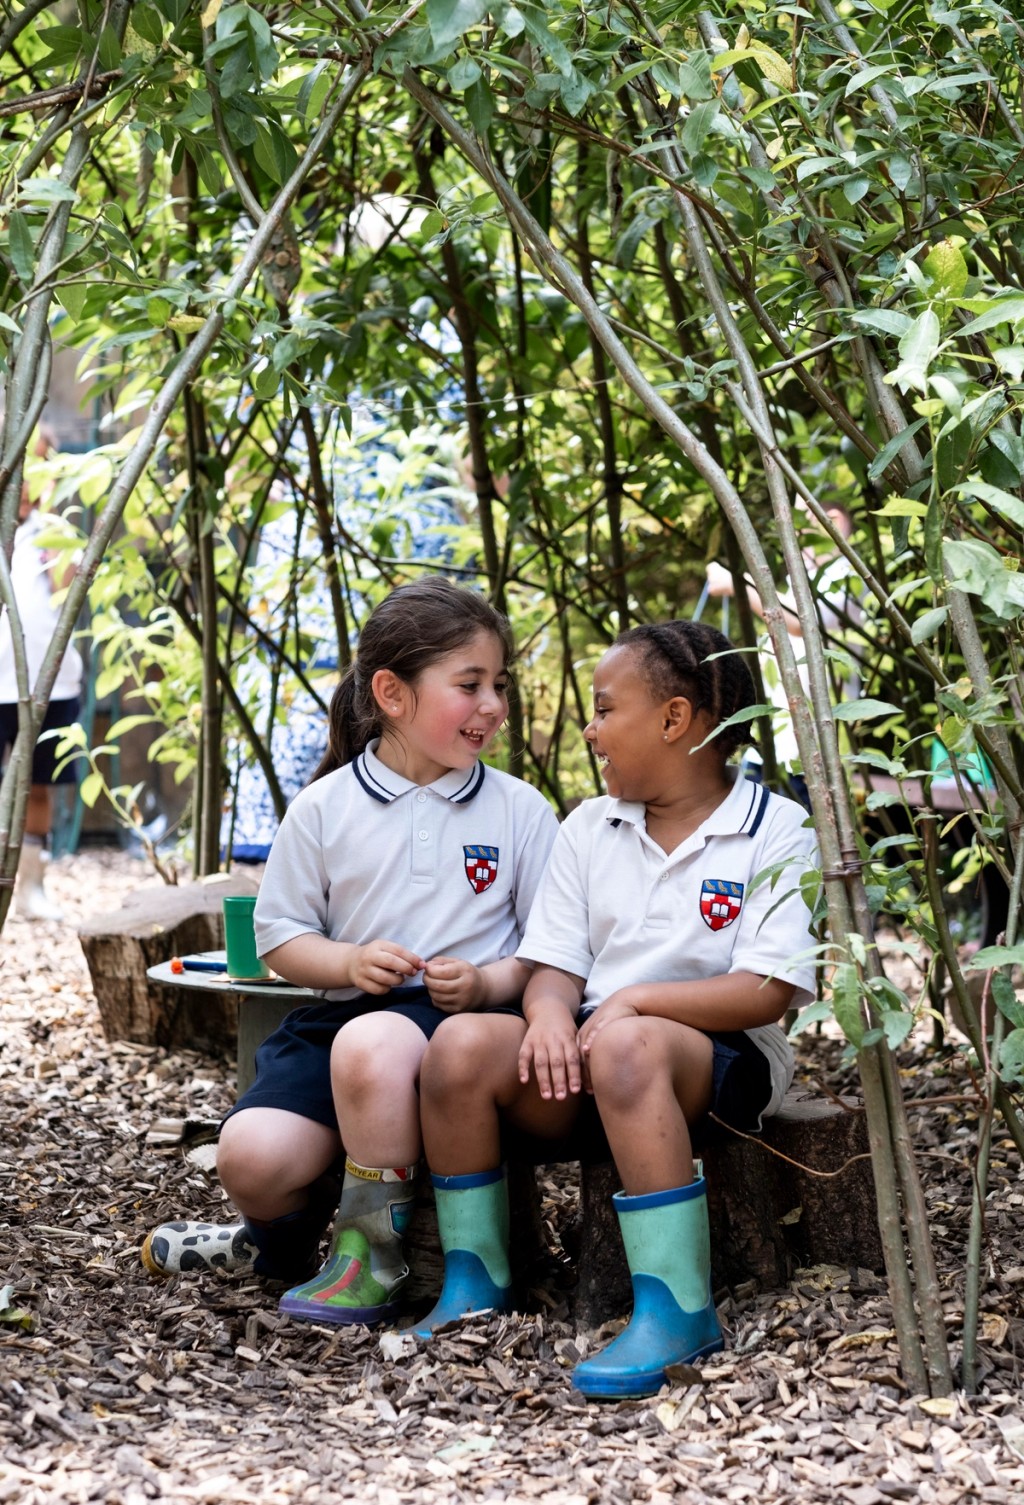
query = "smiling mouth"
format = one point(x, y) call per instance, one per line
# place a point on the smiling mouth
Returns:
point(476, 738)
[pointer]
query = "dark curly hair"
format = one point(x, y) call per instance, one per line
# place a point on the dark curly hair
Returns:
point(412, 628)
point(697, 661)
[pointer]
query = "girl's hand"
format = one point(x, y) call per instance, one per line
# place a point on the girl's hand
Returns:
point(617, 1006)
point(454, 985)
point(380, 966)
point(550, 1050)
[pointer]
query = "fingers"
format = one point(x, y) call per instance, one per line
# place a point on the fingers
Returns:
point(556, 1066)
point(383, 965)
point(398, 959)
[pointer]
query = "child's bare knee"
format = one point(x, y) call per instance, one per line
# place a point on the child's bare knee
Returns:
point(456, 1057)
point(621, 1062)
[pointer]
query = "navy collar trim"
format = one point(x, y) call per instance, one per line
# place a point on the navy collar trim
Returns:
point(757, 805)
point(365, 768)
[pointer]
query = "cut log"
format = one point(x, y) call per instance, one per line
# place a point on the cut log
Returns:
point(802, 1193)
point(154, 924)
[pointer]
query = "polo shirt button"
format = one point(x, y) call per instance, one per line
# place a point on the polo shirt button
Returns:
point(424, 836)
point(663, 878)
point(421, 799)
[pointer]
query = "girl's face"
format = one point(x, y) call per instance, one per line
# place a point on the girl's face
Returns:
point(627, 730)
point(453, 712)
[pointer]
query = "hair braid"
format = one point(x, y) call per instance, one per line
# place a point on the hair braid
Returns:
point(700, 663)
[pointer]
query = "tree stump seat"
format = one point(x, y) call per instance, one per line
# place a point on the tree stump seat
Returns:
point(154, 923)
point(801, 1193)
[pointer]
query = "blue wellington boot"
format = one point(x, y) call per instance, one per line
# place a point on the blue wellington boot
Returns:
point(668, 1249)
point(472, 1220)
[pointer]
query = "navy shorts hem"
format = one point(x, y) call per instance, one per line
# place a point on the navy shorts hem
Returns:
point(293, 1064)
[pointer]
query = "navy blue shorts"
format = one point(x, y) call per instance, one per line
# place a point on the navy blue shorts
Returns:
point(59, 713)
point(293, 1065)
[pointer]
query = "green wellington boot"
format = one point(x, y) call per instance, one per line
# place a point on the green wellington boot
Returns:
point(472, 1220)
point(668, 1249)
point(366, 1268)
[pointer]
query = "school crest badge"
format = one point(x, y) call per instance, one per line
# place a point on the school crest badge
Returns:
point(481, 867)
point(720, 902)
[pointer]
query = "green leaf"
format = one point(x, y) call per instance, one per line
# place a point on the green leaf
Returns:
point(575, 91)
point(698, 124)
point(90, 789)
point(480, 105)
point(952, 454)
point(147, 23)
point(45, 191)
point(867, 76)
point(1011, 1057)
point(704, 169)
point(976, 567)
point(897, 1027)
point(666, 77)
point(537, 27)
point(846, 1002)
point(886, 320)
point(21, 246)
point(856, 187)
point(451, 19)
point(463, 73)
point(865, 710)
point(1000, 501)
point(1006, 1000)
point(694, 77)
point(995, 956)
point(1008, 310)
point(946, 266)
point(927, 625)
point(918, 349)
point(901, 170)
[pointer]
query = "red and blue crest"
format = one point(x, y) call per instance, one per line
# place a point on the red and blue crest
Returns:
point(720, 902)
point(481, 867)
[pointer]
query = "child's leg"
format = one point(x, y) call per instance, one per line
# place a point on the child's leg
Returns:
point(375, 1064)
point(273, 1164)
point(469, 1084)
point(375, 1071)
point(651, 1079)
point(267, 1160)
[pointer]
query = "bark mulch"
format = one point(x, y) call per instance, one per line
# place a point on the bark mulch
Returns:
point(117, 1388)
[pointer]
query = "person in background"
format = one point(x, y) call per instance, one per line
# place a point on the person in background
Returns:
point(36, 575)
point(837, 606)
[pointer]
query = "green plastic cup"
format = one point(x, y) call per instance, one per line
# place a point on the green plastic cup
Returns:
point(244, 964)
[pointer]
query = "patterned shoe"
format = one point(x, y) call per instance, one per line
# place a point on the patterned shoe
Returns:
point(345, 1291)
point(175, 1247)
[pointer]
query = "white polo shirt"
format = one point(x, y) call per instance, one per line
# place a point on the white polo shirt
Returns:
point(615, 909)
point(446, 869)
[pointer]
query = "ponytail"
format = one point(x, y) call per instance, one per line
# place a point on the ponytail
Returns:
point(411, 629)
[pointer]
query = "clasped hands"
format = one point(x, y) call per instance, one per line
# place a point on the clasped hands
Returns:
point(454, 985)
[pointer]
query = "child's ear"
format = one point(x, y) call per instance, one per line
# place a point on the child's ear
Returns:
point(677, 718)
point(390, 693)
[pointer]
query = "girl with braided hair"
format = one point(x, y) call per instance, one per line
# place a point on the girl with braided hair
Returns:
point(661, 967)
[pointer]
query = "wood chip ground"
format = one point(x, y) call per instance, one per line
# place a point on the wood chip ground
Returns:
point(117, 1388)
